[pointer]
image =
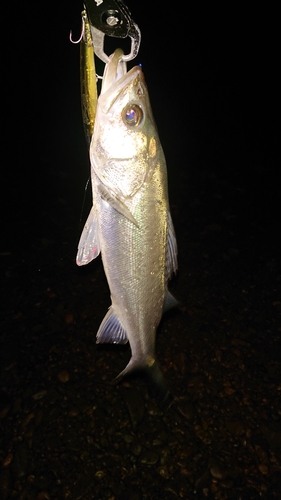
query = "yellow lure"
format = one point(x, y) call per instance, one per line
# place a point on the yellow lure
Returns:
point(89, 94)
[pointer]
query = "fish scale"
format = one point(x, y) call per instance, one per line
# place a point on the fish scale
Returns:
point(130, 222)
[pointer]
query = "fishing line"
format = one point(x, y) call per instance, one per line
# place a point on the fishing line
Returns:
point(57, 259)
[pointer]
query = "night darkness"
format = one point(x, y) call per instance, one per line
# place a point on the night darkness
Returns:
point(65, 432)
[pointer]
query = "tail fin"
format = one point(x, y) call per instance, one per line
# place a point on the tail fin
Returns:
point(157, 382)
point(153, 375)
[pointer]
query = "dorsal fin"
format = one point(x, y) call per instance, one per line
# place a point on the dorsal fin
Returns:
point(172, 250)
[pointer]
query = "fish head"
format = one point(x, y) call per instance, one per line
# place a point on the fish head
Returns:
point(125, 145)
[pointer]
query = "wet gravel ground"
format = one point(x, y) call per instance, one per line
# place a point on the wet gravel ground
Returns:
point(68, 433)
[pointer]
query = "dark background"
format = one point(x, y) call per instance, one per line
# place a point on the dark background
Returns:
point(212, 78)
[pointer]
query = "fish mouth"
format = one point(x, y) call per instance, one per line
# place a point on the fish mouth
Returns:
point(116, 79)
point(115, 69)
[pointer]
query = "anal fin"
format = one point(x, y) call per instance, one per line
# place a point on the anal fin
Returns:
point(111, 330)
point(169, 302)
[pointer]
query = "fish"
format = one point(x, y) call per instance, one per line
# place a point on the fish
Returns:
point(130, 223)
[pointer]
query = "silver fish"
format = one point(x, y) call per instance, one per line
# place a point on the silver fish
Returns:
point(130, 221)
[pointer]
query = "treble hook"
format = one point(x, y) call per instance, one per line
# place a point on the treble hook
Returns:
point(82, 31)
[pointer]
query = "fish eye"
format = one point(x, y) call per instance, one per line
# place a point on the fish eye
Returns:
point(133, 115)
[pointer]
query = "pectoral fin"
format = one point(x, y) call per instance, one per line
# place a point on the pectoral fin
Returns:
point(116, 203)
point(111, 330)
point(88, 247)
